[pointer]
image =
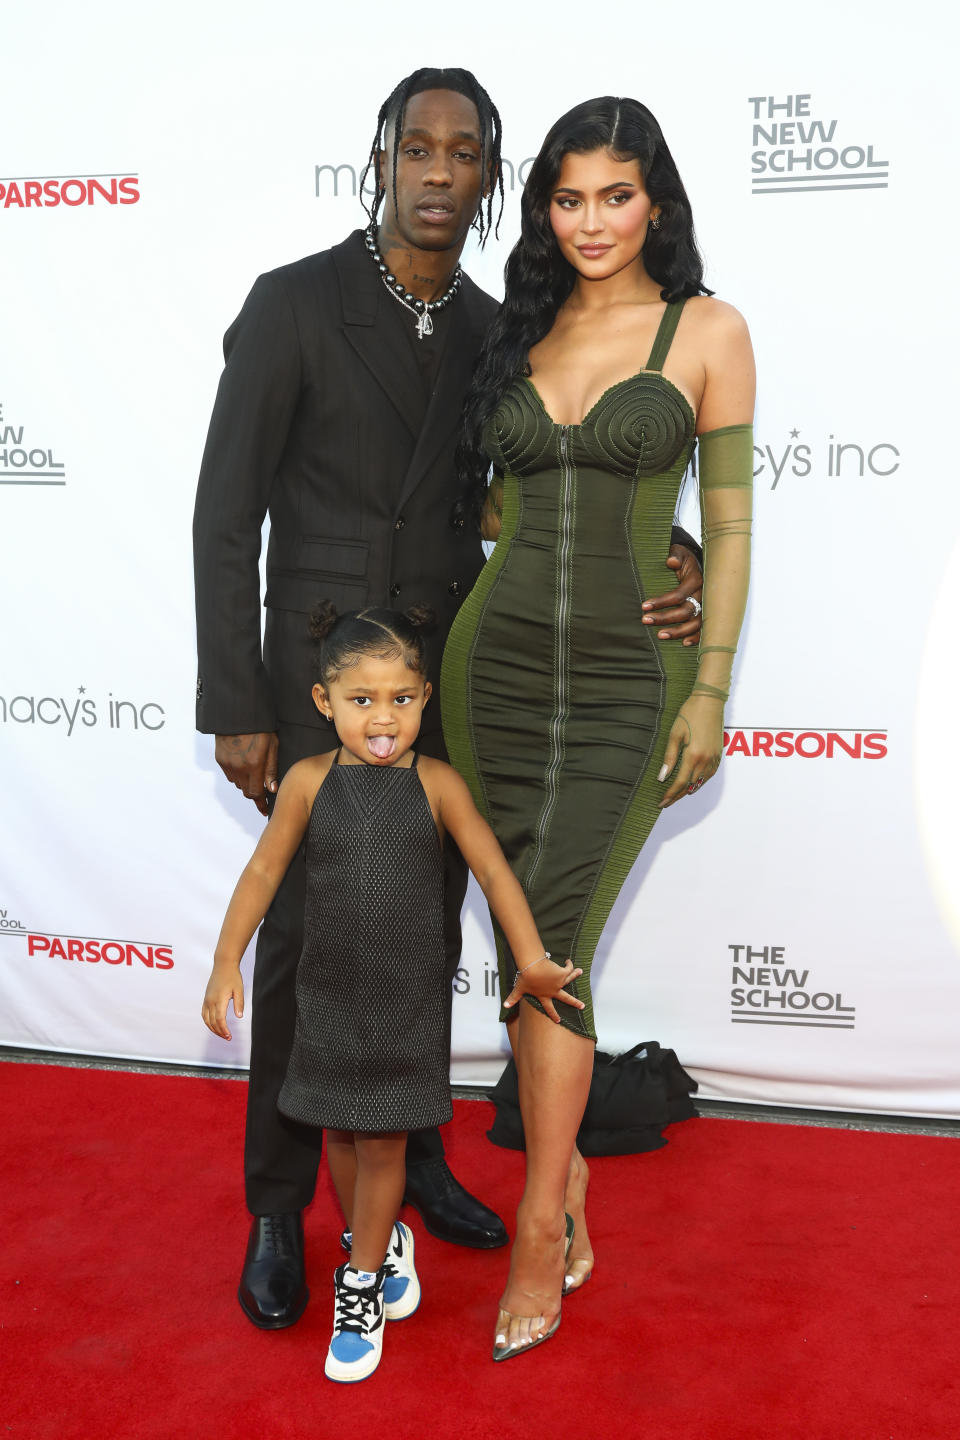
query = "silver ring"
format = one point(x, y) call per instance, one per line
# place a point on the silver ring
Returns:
point(697, 607)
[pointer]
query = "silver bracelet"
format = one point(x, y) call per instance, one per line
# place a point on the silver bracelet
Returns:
point(544, 956)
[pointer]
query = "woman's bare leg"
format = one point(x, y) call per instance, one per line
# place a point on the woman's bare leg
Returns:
point(554, 1067)
point(580, 1260)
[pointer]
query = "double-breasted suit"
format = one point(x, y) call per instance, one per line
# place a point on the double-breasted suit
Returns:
point(324, 422)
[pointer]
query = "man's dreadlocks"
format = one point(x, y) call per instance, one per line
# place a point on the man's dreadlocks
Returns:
point(390, 119)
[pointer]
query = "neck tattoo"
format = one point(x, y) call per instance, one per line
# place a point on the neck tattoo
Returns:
point(420, 309)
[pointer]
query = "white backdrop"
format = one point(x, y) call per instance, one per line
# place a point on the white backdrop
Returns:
point(813, 887)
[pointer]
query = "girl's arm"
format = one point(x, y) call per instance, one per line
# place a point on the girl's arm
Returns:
point(255, 890)
point(536, 974)
point(725, 473)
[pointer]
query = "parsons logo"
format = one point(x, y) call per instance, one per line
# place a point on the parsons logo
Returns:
point(806, 744)
point(92, 950)
point(796, 151)
point(44, 192)
point(86, 949)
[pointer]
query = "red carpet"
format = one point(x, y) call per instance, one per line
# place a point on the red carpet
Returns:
point(754, 1282)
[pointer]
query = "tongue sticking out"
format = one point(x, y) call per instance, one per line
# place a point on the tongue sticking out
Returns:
point(382, 746)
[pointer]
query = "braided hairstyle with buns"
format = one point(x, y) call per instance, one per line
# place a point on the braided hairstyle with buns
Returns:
point(343, 640)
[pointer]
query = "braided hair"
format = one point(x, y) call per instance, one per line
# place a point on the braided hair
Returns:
point(390, 119)
point(342, 641)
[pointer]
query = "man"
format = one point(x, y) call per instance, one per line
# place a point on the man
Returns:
point(337, 413)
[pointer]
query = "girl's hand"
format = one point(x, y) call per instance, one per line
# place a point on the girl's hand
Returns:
point(225, 984)
point(694, 747)
point(545, 979)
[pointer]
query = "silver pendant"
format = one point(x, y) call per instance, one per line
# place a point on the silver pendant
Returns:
point(424, 325)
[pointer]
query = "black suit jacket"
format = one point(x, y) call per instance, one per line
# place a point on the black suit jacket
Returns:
point(312, 424)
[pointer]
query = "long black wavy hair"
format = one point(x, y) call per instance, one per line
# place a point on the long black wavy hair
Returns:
point(390, 124)
point(538, 278)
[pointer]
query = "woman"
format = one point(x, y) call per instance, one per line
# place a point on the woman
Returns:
point(608, 358)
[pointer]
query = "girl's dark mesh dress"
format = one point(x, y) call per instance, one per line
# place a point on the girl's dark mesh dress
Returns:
point(370, 1051)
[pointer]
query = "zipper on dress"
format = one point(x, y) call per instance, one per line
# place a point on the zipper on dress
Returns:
point(561, 678)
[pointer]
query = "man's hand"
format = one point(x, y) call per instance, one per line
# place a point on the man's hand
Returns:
point(671, 611)
point(250, 762)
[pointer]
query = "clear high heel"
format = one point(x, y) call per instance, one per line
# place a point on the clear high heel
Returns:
point(507, 1351)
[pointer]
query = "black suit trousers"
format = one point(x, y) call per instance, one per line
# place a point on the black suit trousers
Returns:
point(281, 1156)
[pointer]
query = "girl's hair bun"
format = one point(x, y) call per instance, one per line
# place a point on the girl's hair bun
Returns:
point(422, 617)
point(322, 620)
point(341, 641)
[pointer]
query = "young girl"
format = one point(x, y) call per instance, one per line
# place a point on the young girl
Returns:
point(370, 1057)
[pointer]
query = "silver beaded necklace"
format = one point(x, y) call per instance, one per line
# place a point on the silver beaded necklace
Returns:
point(420, 309)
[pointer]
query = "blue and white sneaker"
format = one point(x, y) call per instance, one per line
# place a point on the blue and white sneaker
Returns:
point(401, 1288)
point(357, 1341)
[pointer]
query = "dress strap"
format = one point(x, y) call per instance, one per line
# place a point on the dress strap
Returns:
point(416, 757)
point(665, 334)
point(336, 758)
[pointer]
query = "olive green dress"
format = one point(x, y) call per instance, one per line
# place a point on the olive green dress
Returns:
point(557, 701)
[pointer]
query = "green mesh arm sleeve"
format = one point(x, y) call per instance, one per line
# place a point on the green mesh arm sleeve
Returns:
point(726, 495)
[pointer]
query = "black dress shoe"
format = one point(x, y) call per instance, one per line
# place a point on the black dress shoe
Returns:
point(273, 1288)
point(450, 1212)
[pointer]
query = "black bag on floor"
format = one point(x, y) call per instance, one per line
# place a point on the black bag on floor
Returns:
point(632, 1097)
